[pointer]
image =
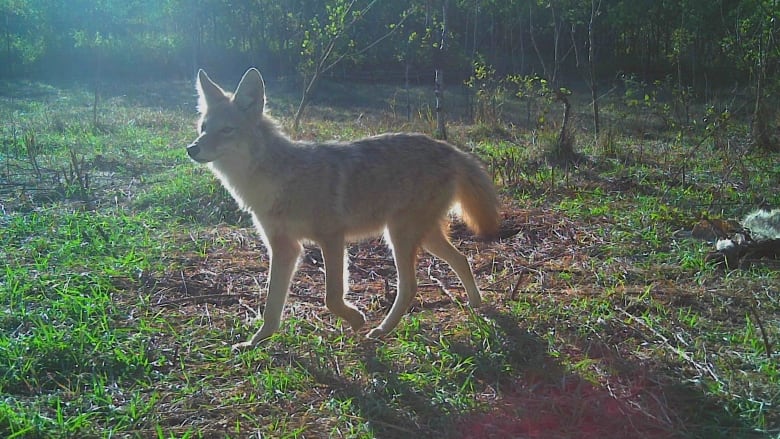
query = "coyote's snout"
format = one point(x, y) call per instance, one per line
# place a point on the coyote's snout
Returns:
point(331, 193)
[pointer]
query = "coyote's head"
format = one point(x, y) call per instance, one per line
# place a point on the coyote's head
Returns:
point(226, 119)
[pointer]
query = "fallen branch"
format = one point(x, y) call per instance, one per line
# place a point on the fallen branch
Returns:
point(705, 368)
point(216, 299)
point(767, 345)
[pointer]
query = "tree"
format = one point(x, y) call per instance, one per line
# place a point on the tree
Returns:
point(23, 39)
point(563, 148)
point(441, 124)
point(326, 44)
point(551, 68)
point(753, 43)
point(595, 9)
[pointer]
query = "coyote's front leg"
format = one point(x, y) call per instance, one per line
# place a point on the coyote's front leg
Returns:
point(284, 257)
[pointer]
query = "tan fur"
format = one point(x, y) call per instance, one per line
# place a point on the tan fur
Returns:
point(331, 193)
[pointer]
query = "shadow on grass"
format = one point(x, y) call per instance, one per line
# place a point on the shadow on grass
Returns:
point(630, 400)
point(530, 393)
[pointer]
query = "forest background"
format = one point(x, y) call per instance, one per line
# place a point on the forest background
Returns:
point(695, 48)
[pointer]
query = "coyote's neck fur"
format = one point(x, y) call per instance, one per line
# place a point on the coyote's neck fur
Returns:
point(252, 172)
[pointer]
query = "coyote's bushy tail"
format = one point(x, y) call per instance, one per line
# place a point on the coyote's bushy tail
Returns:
point(478, 200)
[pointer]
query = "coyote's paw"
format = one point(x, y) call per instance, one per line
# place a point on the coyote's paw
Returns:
point(376, 333)
point(260, 336)
point(357, 322)
point(240, 347)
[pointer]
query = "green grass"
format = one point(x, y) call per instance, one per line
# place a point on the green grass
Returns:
point(129, 273)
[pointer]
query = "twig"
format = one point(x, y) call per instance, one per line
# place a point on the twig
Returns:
point(183, 281)
point(520, 276)
point(767, 345)
point(217, 299)
point(441, 286)
point(702, 368)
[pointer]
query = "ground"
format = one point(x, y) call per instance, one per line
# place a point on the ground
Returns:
point(130, 273)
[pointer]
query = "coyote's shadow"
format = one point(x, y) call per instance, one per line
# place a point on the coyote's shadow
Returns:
point(530, 392)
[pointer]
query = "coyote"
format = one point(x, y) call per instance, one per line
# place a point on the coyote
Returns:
point(331, 193)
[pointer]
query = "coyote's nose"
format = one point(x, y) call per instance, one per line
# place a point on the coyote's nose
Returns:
point(193, 150)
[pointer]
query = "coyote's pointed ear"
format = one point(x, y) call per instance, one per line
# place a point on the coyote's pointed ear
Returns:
point(250, 94)
point(208, 91)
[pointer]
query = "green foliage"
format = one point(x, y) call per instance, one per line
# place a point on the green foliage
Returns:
point(495, 95)
point(490, 93)
point(653, 39)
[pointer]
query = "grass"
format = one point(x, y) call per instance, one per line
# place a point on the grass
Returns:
point(129, 273)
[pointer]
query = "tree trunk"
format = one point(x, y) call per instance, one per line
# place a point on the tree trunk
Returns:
point(594, 9)
point(441, 124)
point(305, 100)
point(97, 78)
point(760, 124)
point(408, 93)
point(8, 63)
point(564, 147)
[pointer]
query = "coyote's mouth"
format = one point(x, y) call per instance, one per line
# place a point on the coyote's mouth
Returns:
point(193, 151)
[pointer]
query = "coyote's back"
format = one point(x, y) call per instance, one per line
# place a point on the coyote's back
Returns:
point(329, 193)
point(360, 188)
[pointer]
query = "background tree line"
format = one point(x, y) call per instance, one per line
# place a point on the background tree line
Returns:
point(695, 45)
point(701, 41)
